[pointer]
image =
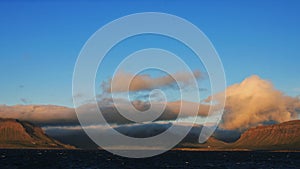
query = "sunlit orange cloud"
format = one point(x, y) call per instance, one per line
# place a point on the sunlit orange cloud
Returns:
point(42, 114)
point(254, 102)
point(145, 82)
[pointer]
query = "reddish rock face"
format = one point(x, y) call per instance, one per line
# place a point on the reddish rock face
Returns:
point(17, 134)
point(284, 136)
point(274, 137)
point(11, 131)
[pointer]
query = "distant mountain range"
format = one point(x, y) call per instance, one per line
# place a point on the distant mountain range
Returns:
point(20, 134)
point(284, 136)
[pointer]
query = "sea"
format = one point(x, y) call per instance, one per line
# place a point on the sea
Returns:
point(90, 159)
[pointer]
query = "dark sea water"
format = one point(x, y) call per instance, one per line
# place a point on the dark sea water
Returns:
point(89, 159)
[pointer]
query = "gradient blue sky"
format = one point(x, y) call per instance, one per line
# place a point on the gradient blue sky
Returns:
point(40, 41)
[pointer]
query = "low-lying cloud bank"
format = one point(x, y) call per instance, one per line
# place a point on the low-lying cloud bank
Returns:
point(40, 114)
point(57, 115)
point(112, 115)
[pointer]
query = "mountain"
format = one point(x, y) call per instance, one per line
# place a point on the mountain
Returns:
point(19, 134)
point(284, 136)
point(77, 138)
point(211, 144)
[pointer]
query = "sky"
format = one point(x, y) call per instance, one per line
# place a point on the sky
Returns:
point(40, 42)
point(257, 42)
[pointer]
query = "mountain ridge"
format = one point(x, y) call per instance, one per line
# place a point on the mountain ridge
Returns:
point(277, 137)
point(21, 134)
point(285, 135)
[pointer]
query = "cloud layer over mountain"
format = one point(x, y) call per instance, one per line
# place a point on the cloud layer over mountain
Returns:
point(252, 102)
point(41, 114)
point(256, 102)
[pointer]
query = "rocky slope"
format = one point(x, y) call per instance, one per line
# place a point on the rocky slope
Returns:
point(18, 134)
point(284, 136)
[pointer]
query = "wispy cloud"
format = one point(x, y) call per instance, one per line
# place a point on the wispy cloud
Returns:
point(297, 89)
point(24, 100)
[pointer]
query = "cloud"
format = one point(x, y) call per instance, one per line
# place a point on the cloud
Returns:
point(296, 89)
point(171, 111)
point(24, 100)
point(255, 102)
point(40, 114)
point(58, 115)
point(252, 102)
point(145, 82)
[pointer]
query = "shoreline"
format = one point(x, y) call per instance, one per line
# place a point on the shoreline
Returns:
point(231, 150)
point(176, 149)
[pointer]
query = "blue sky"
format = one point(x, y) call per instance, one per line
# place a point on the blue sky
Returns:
point(40, 41)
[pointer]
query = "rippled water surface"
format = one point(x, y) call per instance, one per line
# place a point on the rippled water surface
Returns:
point(173, 159)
